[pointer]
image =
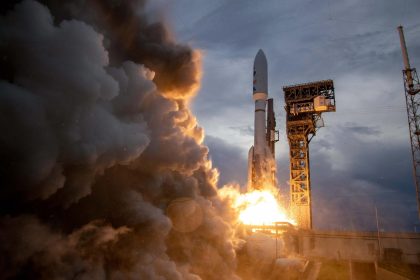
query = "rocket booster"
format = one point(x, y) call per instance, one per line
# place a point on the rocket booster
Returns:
point(261, 163)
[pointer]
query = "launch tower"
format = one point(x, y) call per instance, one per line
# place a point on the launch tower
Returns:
point(412, 99)
point(304, 105)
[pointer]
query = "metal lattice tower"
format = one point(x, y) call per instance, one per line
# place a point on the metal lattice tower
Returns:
point(304, 105)
point(412, 99)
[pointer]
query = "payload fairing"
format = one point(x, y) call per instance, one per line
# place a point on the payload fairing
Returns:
point(261, 162)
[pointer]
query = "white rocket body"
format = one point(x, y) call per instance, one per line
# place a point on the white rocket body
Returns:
point(260, 159)
point(260, 94)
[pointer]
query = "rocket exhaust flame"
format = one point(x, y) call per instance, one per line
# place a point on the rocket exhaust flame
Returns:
point(260, 207)
point(256, 207)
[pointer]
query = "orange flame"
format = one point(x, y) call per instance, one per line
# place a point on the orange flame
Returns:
point(257, 207)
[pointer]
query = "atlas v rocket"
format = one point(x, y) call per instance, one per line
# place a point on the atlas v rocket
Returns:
point(261, 162)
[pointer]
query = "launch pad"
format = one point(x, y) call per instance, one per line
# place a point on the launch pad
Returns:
point(304, 105)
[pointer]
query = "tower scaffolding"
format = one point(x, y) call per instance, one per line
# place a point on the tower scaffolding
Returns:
point(412, 99)
point(304, 105)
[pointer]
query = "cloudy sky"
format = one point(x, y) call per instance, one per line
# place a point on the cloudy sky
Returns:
point(361, 158)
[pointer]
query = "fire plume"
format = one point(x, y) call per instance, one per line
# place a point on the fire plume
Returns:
point(257, 207)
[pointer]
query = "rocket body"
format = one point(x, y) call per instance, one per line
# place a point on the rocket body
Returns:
point(259, 126)
point(261, 166)
point(260, 94)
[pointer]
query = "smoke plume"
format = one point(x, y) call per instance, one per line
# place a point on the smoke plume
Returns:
point(103, 174)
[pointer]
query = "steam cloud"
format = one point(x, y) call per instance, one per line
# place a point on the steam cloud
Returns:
point(95, 148)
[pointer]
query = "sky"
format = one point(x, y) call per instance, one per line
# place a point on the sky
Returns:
point(361, 159)
point(102, 162)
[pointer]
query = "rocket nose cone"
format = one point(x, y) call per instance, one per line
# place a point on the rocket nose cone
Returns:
point(260, 58)
point(260, 74)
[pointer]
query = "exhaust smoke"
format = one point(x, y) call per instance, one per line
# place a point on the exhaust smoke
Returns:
point(97, 141)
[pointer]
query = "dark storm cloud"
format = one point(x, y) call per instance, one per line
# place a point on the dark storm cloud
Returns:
point(229, 160)
point(244, 130)
point(348, 185)
point(329, 37)
point(362, 130)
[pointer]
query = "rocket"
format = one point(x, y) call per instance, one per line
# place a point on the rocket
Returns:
point(261, 162)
